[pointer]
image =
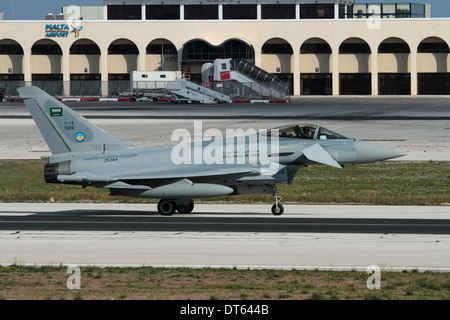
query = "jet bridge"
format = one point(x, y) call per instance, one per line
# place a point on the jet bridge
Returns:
point(260, 82)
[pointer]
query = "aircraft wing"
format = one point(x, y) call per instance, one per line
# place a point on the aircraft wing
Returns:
point(318, 154)
point(169, 175)
point(183, 173)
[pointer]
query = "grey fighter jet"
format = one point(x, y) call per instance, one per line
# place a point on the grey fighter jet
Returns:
point(83, 154)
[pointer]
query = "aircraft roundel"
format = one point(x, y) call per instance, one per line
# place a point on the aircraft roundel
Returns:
point(79, 137)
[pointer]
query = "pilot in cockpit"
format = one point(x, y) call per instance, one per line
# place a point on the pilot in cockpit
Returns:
point(306, 132)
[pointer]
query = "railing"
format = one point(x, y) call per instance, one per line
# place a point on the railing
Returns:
point(247, 91)
point(259, 75)
point(89, 89)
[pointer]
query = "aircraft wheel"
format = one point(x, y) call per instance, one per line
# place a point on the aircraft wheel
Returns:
point(277, 210)
point(166, 207)
point(185, 208)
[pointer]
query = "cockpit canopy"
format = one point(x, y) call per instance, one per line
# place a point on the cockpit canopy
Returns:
point(303, 131)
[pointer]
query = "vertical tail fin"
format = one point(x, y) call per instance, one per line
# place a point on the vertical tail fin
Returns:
point(63, 129)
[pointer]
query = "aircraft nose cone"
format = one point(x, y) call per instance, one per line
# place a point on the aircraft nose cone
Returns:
point(366, 152)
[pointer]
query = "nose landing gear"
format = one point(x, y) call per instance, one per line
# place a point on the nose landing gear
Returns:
point(277, 208)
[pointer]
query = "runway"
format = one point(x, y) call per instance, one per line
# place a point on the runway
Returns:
point(106, 220)
point(244, 236)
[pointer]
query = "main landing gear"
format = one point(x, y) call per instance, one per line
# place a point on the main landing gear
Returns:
point(168, 207)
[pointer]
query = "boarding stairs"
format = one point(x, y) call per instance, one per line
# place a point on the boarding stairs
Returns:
point(184, 91)
point(259, 81)
point(246, 72)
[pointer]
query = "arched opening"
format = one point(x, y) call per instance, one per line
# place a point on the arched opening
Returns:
point(276, 58)
point(84, 68)
point(315, 68)
point(122, 61)
point(46, 68)
point(162, 55)
point(394, 72)
point(197, 52)
point(354, 67)
point(433, 73)
point(11, 71)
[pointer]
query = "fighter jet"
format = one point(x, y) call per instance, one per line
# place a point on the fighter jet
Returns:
point(83, 154)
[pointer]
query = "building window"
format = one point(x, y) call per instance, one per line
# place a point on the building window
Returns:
point(239, 11)
point(433, 47)
point(162, 12)
point(10, 49)
point(201, 12)
point(399, 47)
point(85, 77)
point(417, 10)
point(389, 10)
point(47, 77)
point(202, 51)
point(313, 48)
point(124, 12)
point(84, 49)
point(278, 11)
point(168, 49)
point(403, 10)
point(355, 83)
point(11, 76)
point(118, 76)
point(360, 11)
point(394, 83)
point(46, 49)
point(123, 49)
point(433, 83)
point(316, 84)
point(354, 48)
point(383, 10)
point(317, 11)
point(276, 48)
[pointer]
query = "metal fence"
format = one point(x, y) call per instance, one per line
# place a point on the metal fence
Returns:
point(248, 91)
point(80, 89)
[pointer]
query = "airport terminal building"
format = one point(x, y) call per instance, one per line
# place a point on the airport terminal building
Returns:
point(326, 47)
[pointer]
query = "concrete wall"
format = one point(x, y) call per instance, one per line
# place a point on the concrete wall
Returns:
point(255, 33)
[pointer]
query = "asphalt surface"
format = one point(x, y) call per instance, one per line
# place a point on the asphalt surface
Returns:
point(231, 236)
point(308, 108)
point(94, 221)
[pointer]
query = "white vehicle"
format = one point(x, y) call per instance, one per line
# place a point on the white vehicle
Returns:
point(149, 80)
point(150, 85)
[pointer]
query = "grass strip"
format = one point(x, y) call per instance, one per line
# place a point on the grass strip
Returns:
point(19, 282)
point(385, 183)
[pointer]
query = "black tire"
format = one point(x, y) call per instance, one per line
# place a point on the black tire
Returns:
point(186, 208)
point(278, 211)
point(166, 207)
